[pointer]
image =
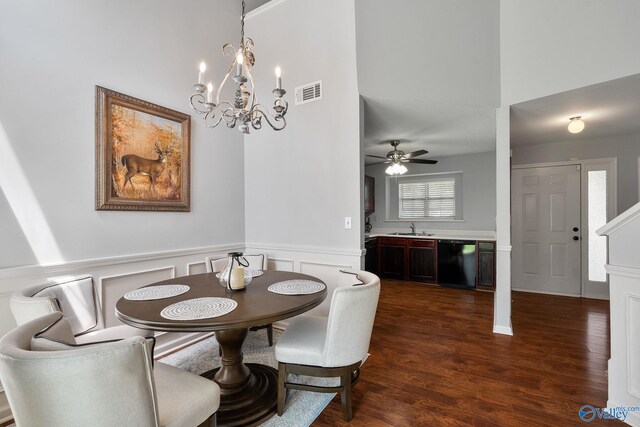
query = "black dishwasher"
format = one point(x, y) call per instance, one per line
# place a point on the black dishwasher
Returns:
point(457, 263)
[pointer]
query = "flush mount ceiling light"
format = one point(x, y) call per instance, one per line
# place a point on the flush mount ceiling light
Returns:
point(576, 125)
point(244, 109)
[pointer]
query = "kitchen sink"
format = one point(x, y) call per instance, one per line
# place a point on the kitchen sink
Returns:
point(399, 233)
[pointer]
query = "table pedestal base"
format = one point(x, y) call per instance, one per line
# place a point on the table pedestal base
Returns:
point(251, 404)
point(248, 392)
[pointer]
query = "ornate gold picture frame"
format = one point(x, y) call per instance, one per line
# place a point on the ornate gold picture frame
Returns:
point(142, 155)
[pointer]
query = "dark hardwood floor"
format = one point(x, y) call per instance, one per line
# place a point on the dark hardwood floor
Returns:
point(435, 362)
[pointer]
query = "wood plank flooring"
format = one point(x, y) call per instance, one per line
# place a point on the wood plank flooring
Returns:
point(435, 362)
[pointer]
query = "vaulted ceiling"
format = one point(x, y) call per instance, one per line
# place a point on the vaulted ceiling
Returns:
point(429, 74)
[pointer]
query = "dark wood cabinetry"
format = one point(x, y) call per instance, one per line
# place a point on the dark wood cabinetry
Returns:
point(369, 195)
point(371, 255)
point(486, 277)
point(393, 254)
point(407, 259)
point(422, 260)
point(417, 260)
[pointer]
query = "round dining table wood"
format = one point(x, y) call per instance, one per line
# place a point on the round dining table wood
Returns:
point(248, 391)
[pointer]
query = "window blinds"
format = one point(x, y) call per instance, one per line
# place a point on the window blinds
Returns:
point(427, 199)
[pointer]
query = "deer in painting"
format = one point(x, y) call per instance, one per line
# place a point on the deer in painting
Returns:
point(152, 168)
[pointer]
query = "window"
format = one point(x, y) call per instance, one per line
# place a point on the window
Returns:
point(424, 197)
point(597, 217)
point(428, 199)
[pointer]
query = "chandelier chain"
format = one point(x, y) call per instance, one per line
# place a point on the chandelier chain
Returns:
point(242, 27)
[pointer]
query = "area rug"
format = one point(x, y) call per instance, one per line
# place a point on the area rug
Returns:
point(302, 407)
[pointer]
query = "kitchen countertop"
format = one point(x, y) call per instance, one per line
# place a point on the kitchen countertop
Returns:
point(438, 234)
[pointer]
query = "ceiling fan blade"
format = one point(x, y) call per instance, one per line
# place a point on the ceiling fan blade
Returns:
point(378, 163)
point(415, 154)
point(377, 157)
point(423, 161)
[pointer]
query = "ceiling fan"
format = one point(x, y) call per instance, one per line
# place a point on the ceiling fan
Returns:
point(397, 157)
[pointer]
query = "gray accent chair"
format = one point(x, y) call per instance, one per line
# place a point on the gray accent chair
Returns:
point(333, 346)
point(256, 262)
point(52, 382)
point(77, 299)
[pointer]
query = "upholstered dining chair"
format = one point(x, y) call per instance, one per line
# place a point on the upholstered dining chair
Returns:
point(51, 381)
point(256, 262)
point(77, 299)
point(333, 346)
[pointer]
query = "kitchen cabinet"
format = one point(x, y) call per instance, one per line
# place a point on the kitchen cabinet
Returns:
point(407, 259)
point(393, 257)
point(371, 256)
point(422, 260)
point(486, 265)
point(416, 259)
point(369, 195)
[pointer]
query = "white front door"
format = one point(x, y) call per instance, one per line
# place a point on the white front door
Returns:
point(545, 229)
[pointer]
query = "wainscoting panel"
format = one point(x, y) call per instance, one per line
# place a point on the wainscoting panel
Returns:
point(633, 344)
point(196, 268)
point(280, 264)
point(112, 288)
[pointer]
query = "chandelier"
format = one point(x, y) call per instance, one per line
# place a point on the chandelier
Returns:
point(244, 111)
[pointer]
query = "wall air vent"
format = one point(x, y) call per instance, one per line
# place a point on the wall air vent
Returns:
point(309, 92)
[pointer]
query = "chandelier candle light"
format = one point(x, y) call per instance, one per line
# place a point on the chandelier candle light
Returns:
point(244, 111)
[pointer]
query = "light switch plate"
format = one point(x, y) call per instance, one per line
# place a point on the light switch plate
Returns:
point(347, 222)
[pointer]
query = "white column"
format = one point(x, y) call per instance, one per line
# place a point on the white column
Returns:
point(502, 297)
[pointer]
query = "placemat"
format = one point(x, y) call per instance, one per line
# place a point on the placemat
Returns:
point(199, 308)
point(296, 287)
point(156, 292)
point(254, 273)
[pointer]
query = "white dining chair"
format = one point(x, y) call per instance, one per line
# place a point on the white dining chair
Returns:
point(333, 346)
point(256, 262)
point(77, 299)
point(51, 381)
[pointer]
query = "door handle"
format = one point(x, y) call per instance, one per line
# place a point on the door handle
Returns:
point(575, 228)
point(576, 238)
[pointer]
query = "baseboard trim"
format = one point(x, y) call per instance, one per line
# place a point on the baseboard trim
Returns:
point(503, 330)
point(560, 294)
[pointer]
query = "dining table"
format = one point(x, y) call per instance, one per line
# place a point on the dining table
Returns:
point(248, 391)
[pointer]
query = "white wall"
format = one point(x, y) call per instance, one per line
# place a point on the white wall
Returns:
point(429, 50)
point(550, 46)
point(53, 55)
point(626, 148)
point(478, 192)
point(302, 182)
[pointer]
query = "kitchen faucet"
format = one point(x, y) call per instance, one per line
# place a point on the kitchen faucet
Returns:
point(413, 228)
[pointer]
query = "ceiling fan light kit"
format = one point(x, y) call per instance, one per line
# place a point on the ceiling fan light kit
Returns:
point(576, 125)
point(396, 169)
point(244, 110)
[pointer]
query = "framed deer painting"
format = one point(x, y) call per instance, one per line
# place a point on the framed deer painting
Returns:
point(142, 155)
